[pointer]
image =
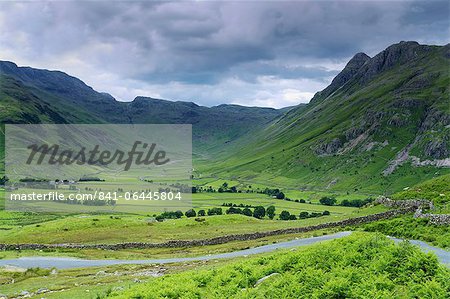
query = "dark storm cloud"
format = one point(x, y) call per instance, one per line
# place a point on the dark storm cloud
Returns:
point(202, 50)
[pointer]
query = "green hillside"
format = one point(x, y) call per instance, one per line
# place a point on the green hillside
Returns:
point(30, 95)
point(382, 125)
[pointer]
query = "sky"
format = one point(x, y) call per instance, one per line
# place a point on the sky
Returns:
point(270, 53)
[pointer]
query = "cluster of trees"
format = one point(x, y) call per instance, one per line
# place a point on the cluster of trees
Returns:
point(328, 201)
point(229, 204)
point(225, 188)
point(189, 213)
point(331, 201)
point(356, 202)
point(258, 211)
point(285, 215)
point(274, 193)
point(91, 179)
point(34, 180)
point(169, 215)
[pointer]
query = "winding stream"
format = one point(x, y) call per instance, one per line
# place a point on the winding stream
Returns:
point(68, 262)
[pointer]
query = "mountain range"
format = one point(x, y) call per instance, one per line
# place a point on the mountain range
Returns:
point(382, 124)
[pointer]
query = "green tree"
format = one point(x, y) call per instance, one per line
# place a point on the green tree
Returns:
point(285, 215)
point(259, 212)
point(271, 212)
point(214, 211)
point(328, 200)
point(190, 213)
point(247, 212)
point(280, 195)
point(303, 215)
point(201, 213)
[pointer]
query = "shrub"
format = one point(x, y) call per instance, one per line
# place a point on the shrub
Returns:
point(303, 215)
point(215, 211)
point(247, 212)
point(327, 200)
point(233, 210)
point(285, 215)
point(201, 213)
point(259, 212)
point(280, 195)
point(190, 213)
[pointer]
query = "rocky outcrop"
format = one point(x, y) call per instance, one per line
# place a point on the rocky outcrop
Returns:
point(438, 148)
point(353, 132)
point(328, 148)
point(398, 120)
point(407, 103)
point(437, 162)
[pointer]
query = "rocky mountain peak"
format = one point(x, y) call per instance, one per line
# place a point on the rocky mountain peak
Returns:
point(399, 53)
point(349, 71)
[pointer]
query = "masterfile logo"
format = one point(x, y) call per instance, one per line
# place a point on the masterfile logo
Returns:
point(97, 167)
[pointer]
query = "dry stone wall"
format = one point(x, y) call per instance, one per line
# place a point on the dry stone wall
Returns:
point(216, 240)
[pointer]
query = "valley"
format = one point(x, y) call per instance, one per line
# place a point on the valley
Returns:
point(259, 176)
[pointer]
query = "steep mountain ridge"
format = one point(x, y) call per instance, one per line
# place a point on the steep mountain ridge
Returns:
point(60, 85)
point(383, 125)
point(351, 68)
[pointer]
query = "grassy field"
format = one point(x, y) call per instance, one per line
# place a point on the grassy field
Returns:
point(113, 229)
point(19, 227)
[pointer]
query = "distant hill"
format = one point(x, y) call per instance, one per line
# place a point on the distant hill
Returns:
point(382, 124)
point(30, 95)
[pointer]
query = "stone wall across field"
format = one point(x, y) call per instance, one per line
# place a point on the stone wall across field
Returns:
point(216, 240)
point(418, 204)
point(436, 219)
point(407, 203)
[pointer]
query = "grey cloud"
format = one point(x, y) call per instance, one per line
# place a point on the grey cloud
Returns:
point(207, 43)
